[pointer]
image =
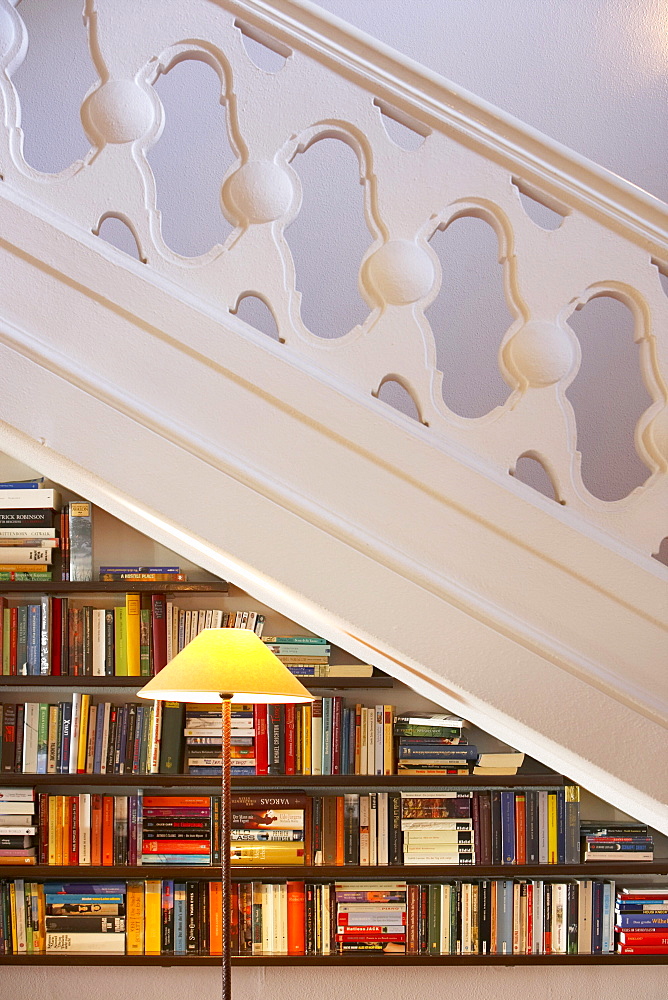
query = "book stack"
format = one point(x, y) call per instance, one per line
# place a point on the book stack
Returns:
point(17, 826)
point(616, 841)
point(268, 829)
point(85, 918)
point(180, 830)
point(28, 536)
point(432, 745)
point(437, 828)
point(304, 655)
point(641, 920)
point(203, 735)
point(498, 762)
point(371, 916)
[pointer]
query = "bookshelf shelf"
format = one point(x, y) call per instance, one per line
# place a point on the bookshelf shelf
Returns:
point(363, 958)
point(353, 782)
point(419, 873)
point(115, 587)
point(134, 683)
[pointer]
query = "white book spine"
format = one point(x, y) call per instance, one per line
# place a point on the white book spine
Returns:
point(156, 729)
point(94, 718)
point(84, 828)
point(105, 737)
point(537, 940)
point(30, 726)
point(98, 649)
point(74, 732)
point(379, 740)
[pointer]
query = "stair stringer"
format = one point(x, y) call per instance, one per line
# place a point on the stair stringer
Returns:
point(335, 510)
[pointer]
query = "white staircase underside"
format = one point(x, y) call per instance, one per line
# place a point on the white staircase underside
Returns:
point(340, 513)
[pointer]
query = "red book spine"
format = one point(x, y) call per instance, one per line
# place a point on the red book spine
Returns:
point(296, 918)
point(96, 829)
point(644, 937)
point(107, 829)
point(340, 830)
point(336, 734)
point(43, 815)
point(290, 732)
point(642, 949)
point(178, 801)
point(13, 640)
point(56, 636)
point(261, 740)
point(159, 631)
point(520, 829)
point(72, 823)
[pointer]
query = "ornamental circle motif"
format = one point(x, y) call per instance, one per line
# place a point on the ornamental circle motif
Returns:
point(259, 191)
point(118, 111)
point(542, 353)
point(400, 272)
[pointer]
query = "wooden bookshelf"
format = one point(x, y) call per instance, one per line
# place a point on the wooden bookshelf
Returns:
point(134, 683)
point(66, 587)
point(327, 873)
point(289, 782)
point(362, 958)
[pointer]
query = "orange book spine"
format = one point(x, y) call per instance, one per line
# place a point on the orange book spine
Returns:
point(340, 856)
point(216, 918)
point(296, 918)
point(96, 830)
point(107, 829)
point(60, 828)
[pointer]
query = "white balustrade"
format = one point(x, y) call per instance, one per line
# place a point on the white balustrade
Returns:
point(471, 163)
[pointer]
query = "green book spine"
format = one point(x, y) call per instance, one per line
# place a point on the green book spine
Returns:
point(42, 738)
point(145, 642)
point(145, 738)
point(434, 920)
point(17, 576)
point(22, 641)
point(172, 739)
point(120, 642)
point(6, 626)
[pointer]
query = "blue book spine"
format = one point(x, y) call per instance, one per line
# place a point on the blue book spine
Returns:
point(65, 738)
point(99, 735)
point(607, 945)
point(136, 749)
point(507, 827)
point(561, 827)
point(648, 921)
point(33, 651)
point(28, 484)
point(179, 918)
point(327, 735)
point(596, 918)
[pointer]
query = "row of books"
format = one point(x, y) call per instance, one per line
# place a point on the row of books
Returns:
point(295, 918)
point(58, 636)
point(485, 827)
point(616, 840)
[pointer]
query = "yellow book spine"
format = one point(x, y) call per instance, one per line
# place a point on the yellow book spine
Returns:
point(82, 748)
point(39, 941)
point(120, 642)
point(53, 816)
point(132, 626)
point(12, 906)
point(25, 567)
point(135, 918)
point(551, 828)
point(306, 739)
point(60, 827)
point(153, 918)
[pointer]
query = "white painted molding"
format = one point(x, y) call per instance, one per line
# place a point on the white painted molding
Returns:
point(214, 441)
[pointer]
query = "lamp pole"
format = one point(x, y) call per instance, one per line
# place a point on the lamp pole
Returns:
point(225, 837)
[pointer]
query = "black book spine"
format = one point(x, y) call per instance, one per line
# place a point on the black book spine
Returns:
point(129, 744)
point(561, 827)
point(495, 802)
point(192, 915)
point(351, 829)
point(396, 855)
point(547, 918)
point(572, 918)
point(119, 739)
point(204, 918)
point(485, 917)
point(424, 919)
point(64, 637)
point(532, 826)
point(167, 943)
point(113, 721)
point(18, 746)
point(109, 628)
point(309, 915)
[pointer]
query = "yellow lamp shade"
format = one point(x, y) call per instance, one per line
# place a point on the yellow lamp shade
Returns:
point(232, 662)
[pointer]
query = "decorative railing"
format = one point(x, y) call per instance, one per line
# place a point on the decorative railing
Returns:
point(473, 162)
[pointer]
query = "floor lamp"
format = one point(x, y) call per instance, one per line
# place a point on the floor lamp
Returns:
point(226, 665)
